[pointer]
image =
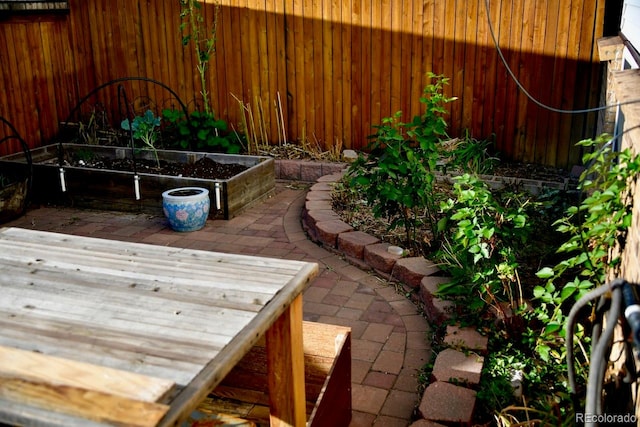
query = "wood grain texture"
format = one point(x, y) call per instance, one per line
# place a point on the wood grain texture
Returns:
point(285, 363)
point(56, 371)
point(89, 404)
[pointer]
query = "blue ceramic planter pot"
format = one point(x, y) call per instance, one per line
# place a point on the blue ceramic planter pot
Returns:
point(186, 208)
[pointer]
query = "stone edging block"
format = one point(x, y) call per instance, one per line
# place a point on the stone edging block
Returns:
point(467, 338)
point(379, 258)
point(305, 170)
point(352, 244)
point(328, 231)
point(457, 367)
point(410, 271)
point(437, 403)
point(438, 310)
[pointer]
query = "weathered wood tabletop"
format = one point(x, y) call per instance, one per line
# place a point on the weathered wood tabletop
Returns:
point(103, 332)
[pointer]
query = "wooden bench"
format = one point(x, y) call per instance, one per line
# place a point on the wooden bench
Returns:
point(242, 399)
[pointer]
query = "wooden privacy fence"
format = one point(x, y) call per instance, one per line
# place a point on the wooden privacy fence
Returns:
point(336, 67)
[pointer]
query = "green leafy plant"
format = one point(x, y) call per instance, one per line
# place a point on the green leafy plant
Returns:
point(398, 176)
point(597, 230)
point(484, 233)
point(201, 131)
point(470, 155)
point(193, 28)
point(145, 129)
point(541, 403)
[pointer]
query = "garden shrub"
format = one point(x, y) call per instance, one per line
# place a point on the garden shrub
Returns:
point(398, 176)
point(470, 155)
point(200, 131)
point(481, 234)
point(596, 228)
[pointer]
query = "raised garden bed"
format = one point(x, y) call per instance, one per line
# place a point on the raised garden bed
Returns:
point(107, 188)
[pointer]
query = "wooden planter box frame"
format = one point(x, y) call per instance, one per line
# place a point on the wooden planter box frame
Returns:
point(114, 190)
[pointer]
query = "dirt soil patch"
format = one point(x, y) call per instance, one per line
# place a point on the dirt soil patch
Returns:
point(532, 171)
point(205, 167)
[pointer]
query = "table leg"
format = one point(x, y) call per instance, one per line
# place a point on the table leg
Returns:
point(285, 364)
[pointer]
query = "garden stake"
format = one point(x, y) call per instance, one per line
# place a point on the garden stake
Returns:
point(217, 195)
point(63, 185)
point(136, 186)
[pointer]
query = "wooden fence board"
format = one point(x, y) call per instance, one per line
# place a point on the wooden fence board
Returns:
point(346, 43)
point(406, 28)
point(533, 112)
point(561, 51)
point(375, 55)
point(327, 55)
point(319, 112)
point(525, 74)
point(564, 144)
point(25, 83)
point(446, 67)
point(294, 63)
point(312, 74)
point(485, 75)
point(338, 66)
point(503, 34)
point(459, 52)
point(356, 89)
point(396, 48)
point(469, 67)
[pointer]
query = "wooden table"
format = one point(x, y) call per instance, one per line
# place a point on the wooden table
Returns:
point(101, 332)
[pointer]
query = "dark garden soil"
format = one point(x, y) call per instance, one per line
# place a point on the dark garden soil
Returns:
point(205, 167)
point(531, 171)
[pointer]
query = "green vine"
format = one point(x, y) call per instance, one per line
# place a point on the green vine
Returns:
point(597, 230)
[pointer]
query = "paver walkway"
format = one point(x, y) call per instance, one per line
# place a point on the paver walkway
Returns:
point(390, 339)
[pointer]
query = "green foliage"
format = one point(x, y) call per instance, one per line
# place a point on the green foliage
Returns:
point(194, 30)
point(597, 230)
point(470, 155)
point(544, 403)
point(397, 177)
point(484, 231)
point(145, 129)
point(201, 131)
